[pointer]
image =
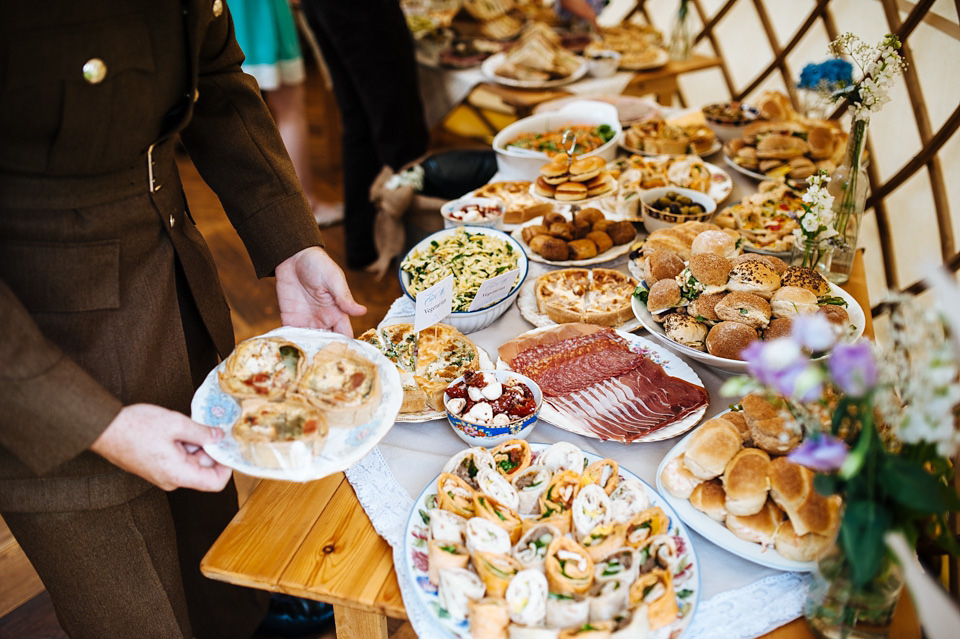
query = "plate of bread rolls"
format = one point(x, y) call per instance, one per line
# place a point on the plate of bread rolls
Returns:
point(581, 238)
point(730, 480)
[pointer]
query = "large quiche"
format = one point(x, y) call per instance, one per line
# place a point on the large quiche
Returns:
point(428, 362)
point(599, 296)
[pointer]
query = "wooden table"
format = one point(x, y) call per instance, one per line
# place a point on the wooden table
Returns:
point(314, 540)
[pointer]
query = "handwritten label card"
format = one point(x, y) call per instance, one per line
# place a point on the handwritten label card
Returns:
point(433, 304)
point(494, 290)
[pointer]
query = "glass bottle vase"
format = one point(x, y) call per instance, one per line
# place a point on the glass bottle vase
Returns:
point(848, 184)
point(681, 38)
point(837, 609)
point(812, 254)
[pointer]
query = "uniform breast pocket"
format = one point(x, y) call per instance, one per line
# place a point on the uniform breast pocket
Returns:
point(70, 92)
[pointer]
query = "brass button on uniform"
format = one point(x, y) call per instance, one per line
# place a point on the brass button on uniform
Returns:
point(173, 220)
point(94, 70)
point(217, 8)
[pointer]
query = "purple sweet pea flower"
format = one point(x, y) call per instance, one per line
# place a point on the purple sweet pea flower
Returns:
point(853, 368)
point(781, 365)
point(813, 331)
point(821, 452)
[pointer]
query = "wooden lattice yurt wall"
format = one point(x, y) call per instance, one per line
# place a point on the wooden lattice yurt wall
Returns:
point(910, 226)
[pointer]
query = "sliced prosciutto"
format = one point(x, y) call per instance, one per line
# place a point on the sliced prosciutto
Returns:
point(591, 375)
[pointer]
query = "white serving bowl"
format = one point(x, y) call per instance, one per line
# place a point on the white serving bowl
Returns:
point(727, 128)
point(485, 435)
point(603, 63)
point(654, 219)
point(453, 212)
point(522, 164)
point(472, 321)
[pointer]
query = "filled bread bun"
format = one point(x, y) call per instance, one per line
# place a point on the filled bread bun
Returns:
point(728, 339)
point(790, 301)
point(736, 418)
point(342, 383)
point(770, 260)
point(754, 277)
point(570, 191)
point(760, 528)
point(677, 480)
point(600, 184)
point(719, 243)
point(711, 447)
point(686, 330)
point(543, 187)
point(746, 481)
point(664, 295)
point(709, 498)
point(791, 488)
point(807, 278)
point(807, 547)
point(836, 315)
point(771, 426)
point(711, 270)
point(555, 172)
point(705, 307)
point(288, 433)
point(746, 308)
point(586, 168)
point(661, 265)
point(778, 327)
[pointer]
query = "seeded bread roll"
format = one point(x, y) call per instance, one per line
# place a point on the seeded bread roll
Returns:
point(710, 269)
point(683, 329)
point(711, 447)
point(728, 339)
point(760, 528)
point(836, 314)
point(806, 278)
point(754, 277)
point(773, 262)
point(664, 295)
point(715, 242)
point(709, 499)
point(790, 301)
point(704, 307)
point(746, 308)
point(660, 265)
point(746, 480)
point(796, 547)
point(778, 327)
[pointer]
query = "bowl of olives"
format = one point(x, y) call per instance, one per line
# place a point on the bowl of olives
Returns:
point(668, 205)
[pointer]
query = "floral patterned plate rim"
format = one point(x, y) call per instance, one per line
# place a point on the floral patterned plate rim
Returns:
point(344, 446)
point(671, 363)
point(686, 576)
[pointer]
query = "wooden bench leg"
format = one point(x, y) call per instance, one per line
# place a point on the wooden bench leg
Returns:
point(359, 624)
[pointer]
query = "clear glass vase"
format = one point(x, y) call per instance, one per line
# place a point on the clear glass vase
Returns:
point(812, 254)
point(681, 38)
point(837, 609)
point(848, 184)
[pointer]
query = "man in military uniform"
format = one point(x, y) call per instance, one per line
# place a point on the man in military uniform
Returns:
point(111, 309)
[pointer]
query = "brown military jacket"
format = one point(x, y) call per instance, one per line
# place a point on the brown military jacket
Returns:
point(93, 223)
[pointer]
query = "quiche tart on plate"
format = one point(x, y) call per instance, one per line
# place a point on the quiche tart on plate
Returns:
point(265, 367)
point(597, 296)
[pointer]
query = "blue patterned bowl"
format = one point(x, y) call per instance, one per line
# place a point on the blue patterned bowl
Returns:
point(485, 435)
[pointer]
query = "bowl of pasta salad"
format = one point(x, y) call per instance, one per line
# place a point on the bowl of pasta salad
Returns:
point(472, 255)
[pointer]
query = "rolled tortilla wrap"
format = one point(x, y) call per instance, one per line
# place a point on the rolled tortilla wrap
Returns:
point(591, 508)
point(560, 492)
point(531, 549)
point(564, 611)
point(604, 473)
point(527, 598)
point(512, 457)
point(489, 618)
point(446, 526)
point(485, 536)
point(489, 508)
point(443, 555)
point(628, 499)
point(563, 521)
point(516, 631)
point(590, 630)
point(646, 525)
point(632, 624)
point(455, 495)
point(492, 483)
point(467, 463)
point(603, 540)
point(655, 590)
point(563, 456)
point(620, 564)
point(659, 552)
point(568, 567)
point(496, 571)
point(607, 598)
point(458, 586)
point(530, 484)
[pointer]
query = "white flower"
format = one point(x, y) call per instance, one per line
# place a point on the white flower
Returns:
point(879, 65)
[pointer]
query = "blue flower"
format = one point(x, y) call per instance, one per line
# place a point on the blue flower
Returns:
point(831, 75)
point(821, 452)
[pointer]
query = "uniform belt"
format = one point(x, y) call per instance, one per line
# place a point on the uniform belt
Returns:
point(154, 168)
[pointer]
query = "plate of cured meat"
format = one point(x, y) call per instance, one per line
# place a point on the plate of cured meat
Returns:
point(488, 552)
point(608, 384)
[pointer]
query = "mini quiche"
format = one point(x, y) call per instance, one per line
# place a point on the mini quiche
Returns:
point(428, 362)
point(599, 296)
point(264, 367)
point(343, 384)
point(288, 433)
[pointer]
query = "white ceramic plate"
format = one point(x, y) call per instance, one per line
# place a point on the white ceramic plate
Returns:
point(686, 576)
point(612, 253)
point(716, 146)
point(857, 319)
point(429, 415)
point(344, 446)
point(756, 175)
point(662, 58)
point(719, 534)
point(491, 64)
point(527, 303)
point(670, 362)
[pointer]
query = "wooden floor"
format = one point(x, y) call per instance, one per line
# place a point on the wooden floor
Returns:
point(24, 605)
